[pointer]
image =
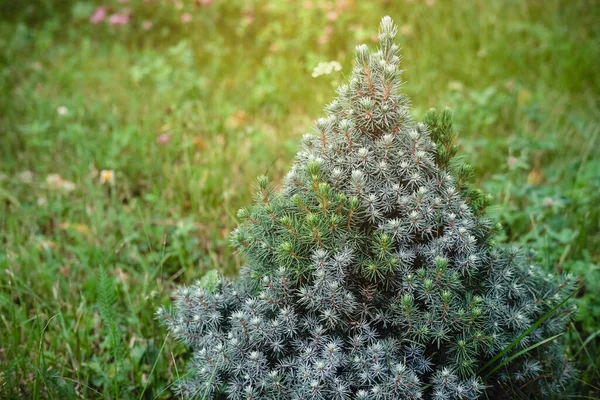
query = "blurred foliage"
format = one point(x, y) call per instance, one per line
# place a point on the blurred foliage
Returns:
point(130, 131)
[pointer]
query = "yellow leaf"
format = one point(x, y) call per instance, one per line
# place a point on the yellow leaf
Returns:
point(524, 97)
point(82, 228)
point(77, 227)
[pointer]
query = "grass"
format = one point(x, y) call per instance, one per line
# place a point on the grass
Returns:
point(85, 264)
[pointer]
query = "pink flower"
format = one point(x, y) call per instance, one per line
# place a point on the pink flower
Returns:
point(341, 4)
point(332, 15)
point(206, 3)
point(119, 19)
point(548, 201)
point(98, 16)
point(147, 25)
point(512, 162)
point(186, 17)
point(163, 139)
point(406, 30)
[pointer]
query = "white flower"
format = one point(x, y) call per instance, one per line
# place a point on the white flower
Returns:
point(107, 176)
point(25, 176)
point(56, 182)
point(325, 68)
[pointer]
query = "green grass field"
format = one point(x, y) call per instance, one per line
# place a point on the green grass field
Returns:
point(126, 150)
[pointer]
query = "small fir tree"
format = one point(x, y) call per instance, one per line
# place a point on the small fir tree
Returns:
point(373, 273)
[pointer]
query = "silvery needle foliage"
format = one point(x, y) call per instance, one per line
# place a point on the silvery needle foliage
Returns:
point(372, 274)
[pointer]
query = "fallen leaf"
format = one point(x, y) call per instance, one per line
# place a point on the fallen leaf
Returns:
point(199, 143)
point(536, 177)
point(65, 270)
point(236, 119)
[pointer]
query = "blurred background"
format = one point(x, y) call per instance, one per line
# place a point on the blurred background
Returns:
point(131, 131)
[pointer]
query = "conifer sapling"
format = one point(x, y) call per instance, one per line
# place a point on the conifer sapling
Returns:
point(373, 272)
